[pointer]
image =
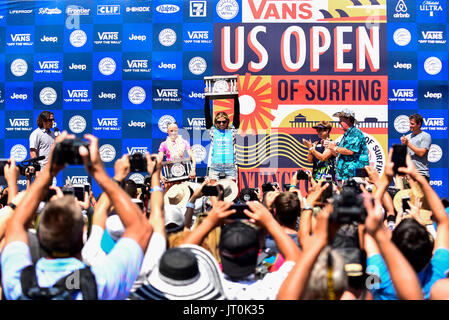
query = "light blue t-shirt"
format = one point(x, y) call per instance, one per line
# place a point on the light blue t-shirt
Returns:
point(115, 275)
point(435, 271)
point(223, 151)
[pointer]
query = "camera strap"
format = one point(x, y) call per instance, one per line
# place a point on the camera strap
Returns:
point(330, 281)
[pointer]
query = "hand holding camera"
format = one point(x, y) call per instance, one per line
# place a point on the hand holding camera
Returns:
point(121, 168)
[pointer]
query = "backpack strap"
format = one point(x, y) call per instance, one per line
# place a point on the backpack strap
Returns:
point(28, 279)
point(87, 283)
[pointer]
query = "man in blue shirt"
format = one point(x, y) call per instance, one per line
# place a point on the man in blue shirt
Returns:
point(60, 234)
point(429, 257)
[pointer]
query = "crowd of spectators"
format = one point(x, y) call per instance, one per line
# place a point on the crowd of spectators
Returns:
point(335, 240)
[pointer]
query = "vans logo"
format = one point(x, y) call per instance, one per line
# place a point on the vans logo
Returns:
point(108, 122)
point(25, 122)
point(133, 150)
point(167, 93)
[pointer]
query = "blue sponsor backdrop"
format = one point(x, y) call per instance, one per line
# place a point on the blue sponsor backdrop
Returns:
point(123, 69)
point(417, 44)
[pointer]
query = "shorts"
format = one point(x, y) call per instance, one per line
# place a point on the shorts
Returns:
point(229, 169)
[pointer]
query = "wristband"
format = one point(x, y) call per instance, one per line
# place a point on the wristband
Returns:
point(156, 188)
point(12, 205)
point(118, 182)
point(307, 207)
point(190, 205)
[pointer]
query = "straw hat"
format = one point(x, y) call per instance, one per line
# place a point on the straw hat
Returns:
point(188, 272)
point(231, 190)
point(425, 215)
point(178, 195)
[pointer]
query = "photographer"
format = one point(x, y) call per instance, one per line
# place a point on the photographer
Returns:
point(429, 258)
point(60, 232)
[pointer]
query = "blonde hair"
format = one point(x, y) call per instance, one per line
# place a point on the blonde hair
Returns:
point(221, 115)
point(213, 237)
point(178, 152)
point(318, 283)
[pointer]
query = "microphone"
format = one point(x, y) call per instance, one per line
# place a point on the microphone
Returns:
point(57, 132)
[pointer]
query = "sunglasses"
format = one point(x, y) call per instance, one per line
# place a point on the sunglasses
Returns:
point(49, 119)
point(224, 121)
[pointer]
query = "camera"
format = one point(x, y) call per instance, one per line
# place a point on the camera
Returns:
point(248, 194)
point(398, 157)
point(352, 184)
point(270, 186)
point(210, 190)
point(22, 166)
point(361, 172)
point(302, 175)
point(348, 207)
point(138, 162)
point(239, 214)
point(67, 151)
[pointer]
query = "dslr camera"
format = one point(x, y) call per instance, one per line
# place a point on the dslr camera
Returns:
point(67, 151)
point(138, 162)
point(270, 186)
point(348, 207)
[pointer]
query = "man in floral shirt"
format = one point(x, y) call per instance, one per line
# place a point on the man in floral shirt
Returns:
point(351, 151)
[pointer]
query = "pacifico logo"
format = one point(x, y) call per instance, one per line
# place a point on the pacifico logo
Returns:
point(402, 37)
point(19, 67)
point(227, 9)
point(197, 65)
point(164, 121)
point(433, 65)
point(199, 152)
point(402, 124)
point(136, 95)
point(107, 66)
point(77, 124)
point(78, 38)
point(167, 37)
point(19, 152)
point(435, 153)
point(48, 96)
point(107, 153)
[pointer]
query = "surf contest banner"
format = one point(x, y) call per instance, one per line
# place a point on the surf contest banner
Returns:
point(123, 70)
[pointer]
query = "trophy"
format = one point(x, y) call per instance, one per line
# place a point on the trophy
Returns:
point(176, 170)
point(221, 87)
